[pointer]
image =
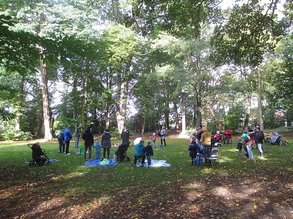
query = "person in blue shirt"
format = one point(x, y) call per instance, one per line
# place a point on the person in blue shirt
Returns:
point(67, 138)
point(139, 152)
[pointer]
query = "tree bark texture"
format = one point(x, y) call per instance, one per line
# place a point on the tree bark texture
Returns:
point(45, 97)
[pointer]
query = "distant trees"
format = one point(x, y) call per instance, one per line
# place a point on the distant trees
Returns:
point(76, 63)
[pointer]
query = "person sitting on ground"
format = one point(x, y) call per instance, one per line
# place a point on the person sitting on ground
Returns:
point(149, 152)
point(139, 152)
point(38, 155)
point(206, 142)
point(88, 138)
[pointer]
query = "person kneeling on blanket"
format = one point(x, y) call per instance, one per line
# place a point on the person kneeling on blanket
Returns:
point(139, 152)
point(149, 152)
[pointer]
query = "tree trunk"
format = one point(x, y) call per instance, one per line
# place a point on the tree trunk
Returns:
point(259, 100)
point(20, 107)
point(247, 112)
point(143, 125)
point(45, 97)
point(183, 115)
point(198, 107)
point(84, 103)
point(122, 105)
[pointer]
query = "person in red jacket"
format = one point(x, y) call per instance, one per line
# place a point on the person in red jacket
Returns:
point(217, 136)
point(228, 136)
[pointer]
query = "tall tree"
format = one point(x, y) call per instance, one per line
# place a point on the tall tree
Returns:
point(250, 31)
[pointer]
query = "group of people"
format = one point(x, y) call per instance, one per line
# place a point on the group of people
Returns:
point(201, 143)
point(140, 151)
point(249, 139)
point(65, 137)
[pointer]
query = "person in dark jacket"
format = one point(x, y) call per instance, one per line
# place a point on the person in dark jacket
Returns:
point(106, 143)
point(149, 152)
point(61, 142)
point(259, 140)
point(125, 137)
point(88, 138)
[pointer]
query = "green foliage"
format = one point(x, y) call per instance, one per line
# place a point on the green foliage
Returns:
point(250, 31)
point(8, 133)
point(232, 119)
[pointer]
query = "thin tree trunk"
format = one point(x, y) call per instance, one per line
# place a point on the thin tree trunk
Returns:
point(143, 126)
point(198, 107)
point(247, 112)
point(183, 115)
point(45, 97)
point(20, 107)
point(84, 103)
point(259, 100)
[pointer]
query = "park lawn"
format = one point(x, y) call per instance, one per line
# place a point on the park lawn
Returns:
point(234, 188)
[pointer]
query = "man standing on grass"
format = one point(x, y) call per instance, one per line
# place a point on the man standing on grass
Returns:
point(259, 140)
point(67, 138)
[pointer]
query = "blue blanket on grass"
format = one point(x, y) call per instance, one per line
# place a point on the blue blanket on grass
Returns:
point(99, 162)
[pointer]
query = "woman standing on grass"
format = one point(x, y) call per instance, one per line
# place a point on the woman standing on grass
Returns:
point(163, 134)
point(106, 143)
point(88, 138)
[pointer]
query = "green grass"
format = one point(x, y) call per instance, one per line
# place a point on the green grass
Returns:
point(70, 180)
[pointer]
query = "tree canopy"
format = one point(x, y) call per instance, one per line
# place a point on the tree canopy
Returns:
point(143, 64)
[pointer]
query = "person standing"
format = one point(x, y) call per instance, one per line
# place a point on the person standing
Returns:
point(61, 142)
point(163, 134)
point(67, 138)
point(125, 137)
point(259, 140)
point(248, 147)
point(77, 137)
point(106, 143)
point(88, 138)
point(154, 138)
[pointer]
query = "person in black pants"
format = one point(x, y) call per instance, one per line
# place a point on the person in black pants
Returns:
point(106, 143)
point(88, 138)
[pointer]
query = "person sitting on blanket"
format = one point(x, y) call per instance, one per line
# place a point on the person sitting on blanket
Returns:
point(149, 152)
point(139, 152)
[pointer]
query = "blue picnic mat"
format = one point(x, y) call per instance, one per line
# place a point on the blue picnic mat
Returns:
point(99, 162)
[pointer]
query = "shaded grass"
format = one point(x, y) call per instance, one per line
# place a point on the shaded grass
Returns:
point(75, 183)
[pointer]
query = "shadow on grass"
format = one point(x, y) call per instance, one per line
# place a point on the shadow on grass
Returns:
point(234, 188)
